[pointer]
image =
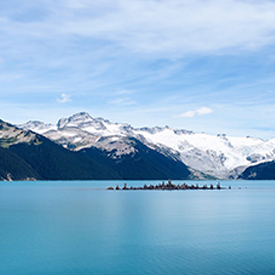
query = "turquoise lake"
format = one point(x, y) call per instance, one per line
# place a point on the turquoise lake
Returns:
point(79, 227)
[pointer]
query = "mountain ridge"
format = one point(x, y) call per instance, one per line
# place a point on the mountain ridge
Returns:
point(26, 155)
point(218, 156)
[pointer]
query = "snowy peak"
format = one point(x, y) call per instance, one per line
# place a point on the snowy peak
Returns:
point(96, 126)
point(37, 127)
point(152, 131)
point(81, 120)
point(34, 124)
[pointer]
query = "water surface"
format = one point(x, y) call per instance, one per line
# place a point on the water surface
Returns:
point(80, 228)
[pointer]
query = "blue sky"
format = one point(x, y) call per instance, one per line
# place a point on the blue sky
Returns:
point(206, 66)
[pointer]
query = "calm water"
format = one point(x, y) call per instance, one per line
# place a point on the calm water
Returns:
point(81, 228)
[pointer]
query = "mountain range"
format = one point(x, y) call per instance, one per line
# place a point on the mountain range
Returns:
point(83, 147)
point(26, 155)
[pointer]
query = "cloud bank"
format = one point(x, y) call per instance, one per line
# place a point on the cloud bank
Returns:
point(164, 27)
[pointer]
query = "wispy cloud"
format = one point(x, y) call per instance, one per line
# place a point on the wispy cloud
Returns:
point(198, 112)
point(125, 101)
point(64, 98)
point(190, 27)
point(168, 56)
point(122, 97)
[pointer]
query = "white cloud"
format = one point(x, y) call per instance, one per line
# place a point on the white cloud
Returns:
point(172, 27)
point(175, 26)
point(64, 98)
point(198, 112)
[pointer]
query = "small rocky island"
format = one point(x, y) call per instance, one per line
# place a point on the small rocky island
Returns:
point(169, 186)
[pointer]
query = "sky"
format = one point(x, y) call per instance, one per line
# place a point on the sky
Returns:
point(206, 66)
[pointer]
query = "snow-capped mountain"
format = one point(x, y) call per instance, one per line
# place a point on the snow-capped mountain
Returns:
point(219, 156)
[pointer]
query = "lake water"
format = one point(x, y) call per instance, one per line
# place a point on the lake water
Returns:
point(81, 228)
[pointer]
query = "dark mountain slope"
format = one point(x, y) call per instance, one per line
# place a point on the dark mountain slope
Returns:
point(144, 163)
point(53, 162)
point(12, 167)
point(263, 171)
